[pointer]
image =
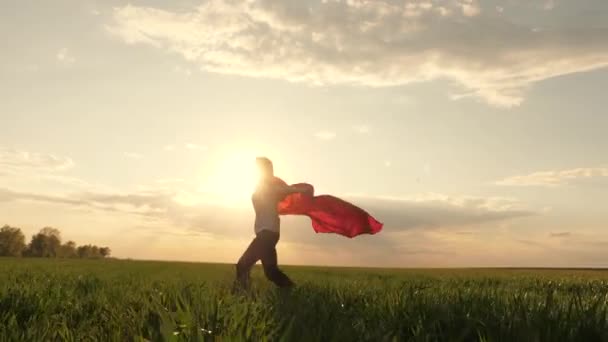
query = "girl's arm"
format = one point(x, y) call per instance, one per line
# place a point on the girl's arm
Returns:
point(298, 189)
point(293, 189)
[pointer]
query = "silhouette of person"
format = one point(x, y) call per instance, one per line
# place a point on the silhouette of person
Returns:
point(268, 193)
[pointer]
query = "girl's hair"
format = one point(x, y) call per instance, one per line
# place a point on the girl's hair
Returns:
point(265, 164)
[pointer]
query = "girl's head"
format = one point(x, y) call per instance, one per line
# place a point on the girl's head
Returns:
point(265, 168)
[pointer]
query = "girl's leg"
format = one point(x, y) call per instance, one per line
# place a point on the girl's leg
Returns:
point(251, 255)
point(270, 262)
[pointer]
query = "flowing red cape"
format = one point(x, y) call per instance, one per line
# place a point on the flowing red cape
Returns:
point(329, 214)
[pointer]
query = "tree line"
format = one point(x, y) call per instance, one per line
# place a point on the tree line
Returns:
point(45, 244)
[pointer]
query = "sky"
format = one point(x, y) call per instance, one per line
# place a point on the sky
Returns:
point(474, 130)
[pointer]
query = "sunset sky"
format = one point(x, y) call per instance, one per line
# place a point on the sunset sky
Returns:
point(477, 131)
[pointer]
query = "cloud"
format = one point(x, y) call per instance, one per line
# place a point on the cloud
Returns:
point(429, 226)
point(133, 155)
point(565, 249)
point(64, 57)
point(372, 43)
point(325, 135)
point(33, 168)
point(432, 211)
point(442, 211)
point(169, 207)
point(67, 181)
point(19, 160)
point(143, 204)
point(555, 178)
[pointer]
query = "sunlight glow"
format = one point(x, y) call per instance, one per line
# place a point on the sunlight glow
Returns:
point(232, 179)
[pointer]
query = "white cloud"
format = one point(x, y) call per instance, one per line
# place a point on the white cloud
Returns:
point(411, 224)
point(325, 135)
point(494, 203)
point(555, 178)
point(374, 43)
point(34, 169)
point(64, 57)
point(398, 214)
point(169, 148)
point(19, 160)
point(133, 155)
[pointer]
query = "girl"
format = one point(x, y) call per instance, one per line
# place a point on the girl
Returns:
point(268, 193)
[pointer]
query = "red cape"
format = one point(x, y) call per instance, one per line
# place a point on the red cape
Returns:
point(329, 214)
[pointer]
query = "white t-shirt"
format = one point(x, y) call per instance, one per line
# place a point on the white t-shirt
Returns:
point(265, 200)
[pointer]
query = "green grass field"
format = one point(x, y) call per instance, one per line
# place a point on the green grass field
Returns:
point(112, 300)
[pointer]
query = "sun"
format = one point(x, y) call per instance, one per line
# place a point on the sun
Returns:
point(232, 178)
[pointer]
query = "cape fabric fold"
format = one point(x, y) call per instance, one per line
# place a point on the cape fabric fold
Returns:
point(329, 214)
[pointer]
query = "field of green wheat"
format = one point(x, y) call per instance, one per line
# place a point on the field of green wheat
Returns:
point(114, 300)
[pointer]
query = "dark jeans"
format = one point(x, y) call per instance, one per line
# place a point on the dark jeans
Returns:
point(263, 247)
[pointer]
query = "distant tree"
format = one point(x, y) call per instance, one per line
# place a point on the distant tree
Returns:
point(84, 252)
point(95, 252)
point(46, 244)
point(50, 231)
point(12, 241)
point(68, 250)
point(92, 252)
point(105, 252)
